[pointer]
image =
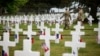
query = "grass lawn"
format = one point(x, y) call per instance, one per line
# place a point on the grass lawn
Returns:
point(90, 38)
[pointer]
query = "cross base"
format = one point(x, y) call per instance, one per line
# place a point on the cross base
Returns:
point(98, 41)
point(31, 53)
point(67, 54)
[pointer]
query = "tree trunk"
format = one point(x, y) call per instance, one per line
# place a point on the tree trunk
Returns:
point(93, 12)
point(2, 11)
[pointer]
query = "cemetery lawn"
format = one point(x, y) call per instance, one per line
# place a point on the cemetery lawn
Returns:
point(90, 38)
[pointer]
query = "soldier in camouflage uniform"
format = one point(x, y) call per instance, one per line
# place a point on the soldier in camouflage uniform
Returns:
point(80, 15)
point(67, 18)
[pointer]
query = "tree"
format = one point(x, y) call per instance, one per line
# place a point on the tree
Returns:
point(93, 4)
point(11, 6)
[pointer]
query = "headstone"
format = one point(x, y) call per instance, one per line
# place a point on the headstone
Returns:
point(47, 37)
point(41, 27)
point(37, 20)
point(75, 44)
point(8, 20)
point(4, 20)
point(31, 18)
point(29, 33)
point(90, 19)
point(17, 30)
point(0, 37)
point(99, 18)
point(25, 19)
point(57, 30)
point(6, 43)
point(26, 50)
point(0, 19)
point(6, 27)
point(98, 29)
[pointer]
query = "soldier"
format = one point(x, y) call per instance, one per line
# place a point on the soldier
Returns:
point(80, 15)
point(67, 18)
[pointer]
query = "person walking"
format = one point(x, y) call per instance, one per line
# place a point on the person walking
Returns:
point(67, 18)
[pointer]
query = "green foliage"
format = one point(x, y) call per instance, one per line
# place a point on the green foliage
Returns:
point(12, 6)
point(11, 9)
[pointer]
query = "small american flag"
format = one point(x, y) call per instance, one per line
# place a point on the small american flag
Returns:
point(45, 47)
point(4, 53)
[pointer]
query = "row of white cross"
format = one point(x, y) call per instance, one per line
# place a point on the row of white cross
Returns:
point(27, 45)
point(41, 17)
point(47, 37)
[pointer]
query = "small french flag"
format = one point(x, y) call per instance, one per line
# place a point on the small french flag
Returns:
point(81, 40)
point(15, 36)
point(45, 47)
point(42, 32)
point(73, 52)
point(59, 36)
point(32, 40)
point(4, 53)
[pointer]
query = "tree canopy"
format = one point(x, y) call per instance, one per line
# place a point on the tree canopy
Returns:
point(11, 6)
point(93, 4)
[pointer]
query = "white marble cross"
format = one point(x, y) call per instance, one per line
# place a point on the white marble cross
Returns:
point(6, 27)
point(4, 20)
point(6, 43)
point(29, 33)
point(41, 27)
point(0, 37)
point(31, 18)
point(99, 18)
point(57, 30)
point(0, 19)
point(78, 26)
point(98, 29)
point(37, 20)
point(26, 50)
point(25, 19)
point(17, 30)
point(47, 37)
point(90, 19)
point(75, 44)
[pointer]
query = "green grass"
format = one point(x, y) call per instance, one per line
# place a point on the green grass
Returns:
point(91, 49)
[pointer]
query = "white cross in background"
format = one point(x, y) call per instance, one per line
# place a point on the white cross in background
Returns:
point(41, 27)
point(25, 19)
point(98, 29)
point(6, 43)
point(0, 19)
point(8, 19)
point(3, 19)
point(17, 30)
point(12, 19)
point(57, 30)
point(0, 37)
point(75, 43)
point(37, 20)
point(29, 33)
point(78, 26)
point(90, 19)
point(31, 19)
point(47, 37)
point(26, 50)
